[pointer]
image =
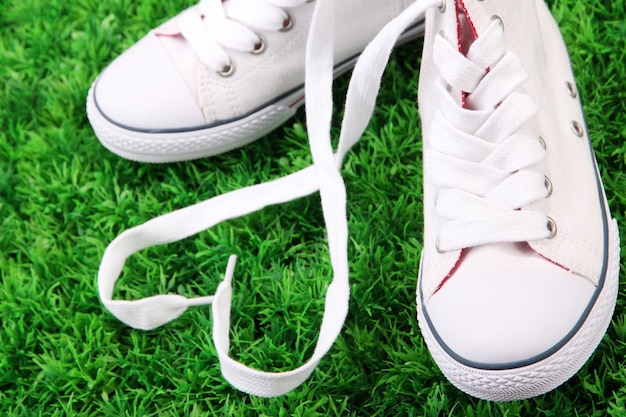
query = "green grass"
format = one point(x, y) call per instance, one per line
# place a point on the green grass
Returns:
point(63, 198)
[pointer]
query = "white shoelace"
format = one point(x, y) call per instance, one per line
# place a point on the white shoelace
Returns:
point(322, 176)
point(480, 155)
point(215, 25)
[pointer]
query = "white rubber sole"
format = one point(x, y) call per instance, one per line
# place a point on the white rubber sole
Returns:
point(161, 147)
point(544, 375)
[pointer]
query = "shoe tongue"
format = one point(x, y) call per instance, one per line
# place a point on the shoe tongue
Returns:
point(465, 28)
point(466, 35)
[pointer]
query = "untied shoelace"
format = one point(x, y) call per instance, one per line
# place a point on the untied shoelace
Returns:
point(323, 176)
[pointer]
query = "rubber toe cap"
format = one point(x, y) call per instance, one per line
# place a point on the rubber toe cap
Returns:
point(505, 306)
point(143, 90)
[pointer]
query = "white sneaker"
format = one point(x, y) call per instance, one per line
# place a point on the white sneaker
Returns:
point(519, 271)
point(220, 75)
point(520, 265)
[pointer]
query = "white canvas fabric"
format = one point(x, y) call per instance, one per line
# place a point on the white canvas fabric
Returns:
point(220, 75)
point(519, 271)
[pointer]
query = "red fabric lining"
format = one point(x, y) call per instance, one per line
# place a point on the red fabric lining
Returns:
point(461, 9)
point(469, 19)
point(454, 268)
point(459, 5)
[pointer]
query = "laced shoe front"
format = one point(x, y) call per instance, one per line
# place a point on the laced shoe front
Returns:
point(220, 75)
point(519, 270)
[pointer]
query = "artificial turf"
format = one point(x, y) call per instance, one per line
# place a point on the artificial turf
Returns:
point(63, 198)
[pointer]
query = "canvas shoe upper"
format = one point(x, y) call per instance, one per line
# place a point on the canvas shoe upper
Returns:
point(519, 269)
point(220, 75)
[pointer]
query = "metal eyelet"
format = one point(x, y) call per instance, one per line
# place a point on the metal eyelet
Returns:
point(548, 184)
point(543, 143)
point(288, 22)
point(571, 89)
point(498, 19)
point(577, 128)
point(260, 46)
point(439, 250)
point(551, 226)
point(227, 70)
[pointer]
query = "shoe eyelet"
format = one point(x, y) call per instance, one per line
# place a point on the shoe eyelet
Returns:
point(571, 89)
point(548, 184)
point(443, 34)
point(499, 20)
point(288, 22)
point(260, 46)
point(437, 246)
point(543, 143)
point(551, 226)
point(577, 128)
point(442, 6)
point(227, 70)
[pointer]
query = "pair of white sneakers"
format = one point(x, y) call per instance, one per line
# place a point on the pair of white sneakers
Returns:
point(519, 271)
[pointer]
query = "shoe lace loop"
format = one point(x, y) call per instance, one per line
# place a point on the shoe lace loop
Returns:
point(481, 155)
point(215, 25)
point(323, 176)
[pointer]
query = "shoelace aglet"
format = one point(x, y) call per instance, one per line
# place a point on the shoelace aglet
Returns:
point(228, 278)
point(230, 268)
point(200, 301)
